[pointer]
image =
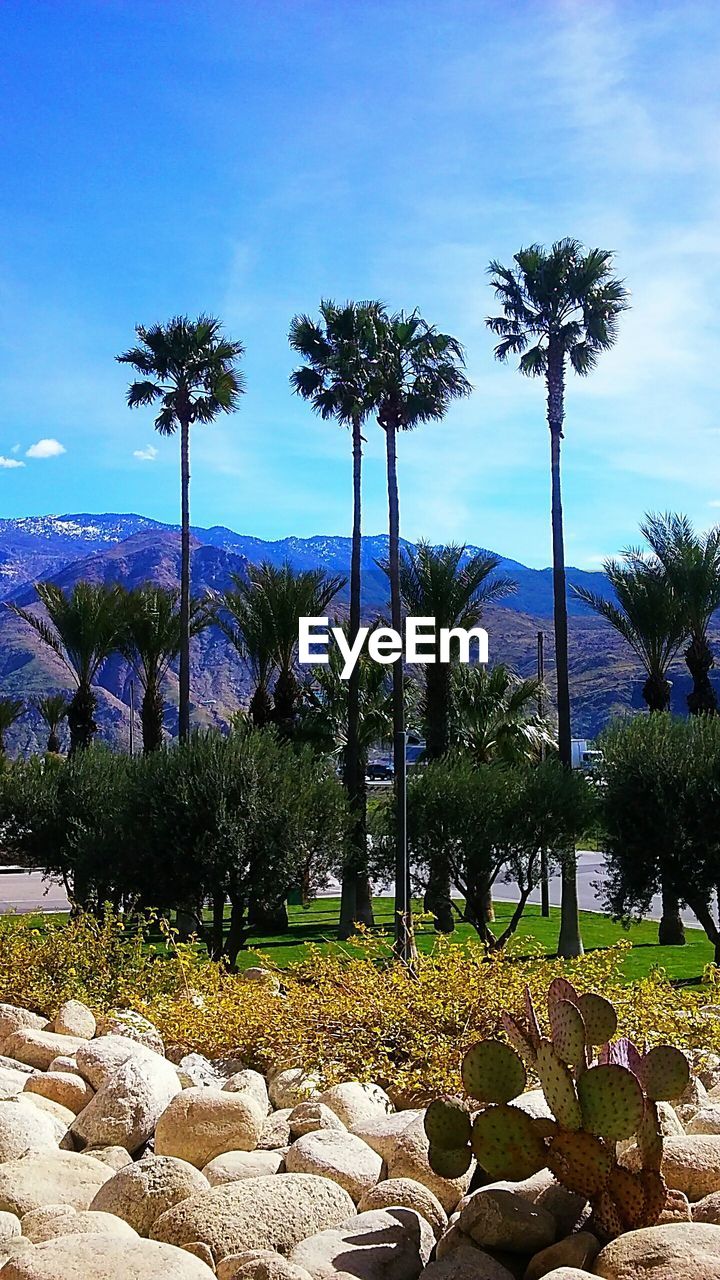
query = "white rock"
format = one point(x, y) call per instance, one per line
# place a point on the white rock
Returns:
point(133, 1026)
point(306, 1117)
point(354, 1102)
point(56, 1177)
point(233, 1166)
point(99, 1059)
point(126, 1109)
point(469, 1263)
point(690, 1164)
point(705, 1121)
point(384, 1244)
point(83, 1223)
point(13, 1082)
point(259, 1213)
point(409, 1159)
point(13, 1018)
point(115, 1157)
point(406, 1194)
point(340, 1156)
point(38, 1048)
point(497, 1219)
point(276, 1131)
point(65, 1062)
point(287, 1088)
point(25, 1131)
point(259, 1264)
point(9, 1227)
point(686, 1250)
point(62, 1117)
point(249, 1082)
point(98, 1257)
point(141, 1192)
point(200, 1124)
point(63, 1087)
point(73, 1018)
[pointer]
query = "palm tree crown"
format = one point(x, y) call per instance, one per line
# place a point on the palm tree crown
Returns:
point(53, 709)
point(416, 371)
point(497, 716)
point(692, 566)
point(189, 368)
point(11, 710)
point(335, 378)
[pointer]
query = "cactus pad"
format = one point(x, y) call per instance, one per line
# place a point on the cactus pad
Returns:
point(649, 1138)
point(568, 1032)
point(507, 1144)
point(531, 1019)
point(581, 1162)
point(622, 1053)
point(611, 1101)
point(606, 1219)
point(558, 1086)
point(449, 1163)
point(520, 1037)
point(493, 1072)
point(664, 1073)
point(655, 1194)
point(599, 1017)
point(561, 989)
point(447, 1124)
point(628, 1193)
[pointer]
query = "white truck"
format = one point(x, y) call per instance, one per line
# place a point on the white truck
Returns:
point(584, 755)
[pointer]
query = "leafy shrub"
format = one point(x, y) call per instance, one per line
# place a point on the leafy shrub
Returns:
point(339, 1016)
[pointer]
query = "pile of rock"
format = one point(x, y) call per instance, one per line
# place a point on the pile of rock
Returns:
point(119, 1161)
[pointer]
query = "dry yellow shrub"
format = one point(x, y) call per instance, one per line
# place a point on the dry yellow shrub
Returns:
point(340, 1016)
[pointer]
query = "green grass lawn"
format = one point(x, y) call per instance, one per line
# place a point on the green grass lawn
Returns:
point(317, 924)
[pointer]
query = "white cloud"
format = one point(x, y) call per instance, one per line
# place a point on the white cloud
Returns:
point(15, 448)
point(8, 464)
point(47, 448)
point(149, 454)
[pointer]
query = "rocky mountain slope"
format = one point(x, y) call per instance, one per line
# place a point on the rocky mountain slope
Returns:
point(605, 679)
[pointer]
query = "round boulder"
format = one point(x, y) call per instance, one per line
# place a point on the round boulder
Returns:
point(200, 1124)
point(468, 1263)
point(340, 1156)
point(141, 1192)
point(64, 1087)
point(497, 1219)
point(681, 1251)
point(25, 1131)
point(384, 1244)
point(249, 1082)
point(38, 1048)
point(354, 1102)
point(99, 1257)
point(98, 1060)
point(258, 1213)
point(233, 1166)
point(287, 1088)
point(306, 1117)
point(84, 1223)
point(127, 1107)
point(56, 1177)
point(73, 1018)
point(409, 1159)
point(690, 1164)
point(14, 1018)
point(133, 1026)
point(405, 1194)
point(259, 1264)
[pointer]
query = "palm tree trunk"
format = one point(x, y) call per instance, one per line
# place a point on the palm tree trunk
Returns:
point(81, 718)
point(656, 692)
point(699, 661)
point(151, 717)
point(350, 904)
point(570, 941)
point(53, 743)
point(404, 941)
point(184, 674)
point(437, 897)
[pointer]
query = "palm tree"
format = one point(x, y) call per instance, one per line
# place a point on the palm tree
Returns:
point(692, 565)
point(558, 306)
point(650, 617)
point(335, 381)
point(496, 716)
point(453, 588)
point(264, 609)
point(416, 374)
point(11, 710)
point(246, 618)
point(151, 642)
point(191, 370)
point(53, 709)
point(83, 628)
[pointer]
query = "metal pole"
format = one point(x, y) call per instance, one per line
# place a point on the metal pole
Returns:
point(132, 717)
point(544, 878)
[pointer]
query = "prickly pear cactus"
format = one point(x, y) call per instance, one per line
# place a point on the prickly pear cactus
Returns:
point(596, 1101)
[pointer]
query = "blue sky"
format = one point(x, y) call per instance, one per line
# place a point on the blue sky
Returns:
point(247, 158)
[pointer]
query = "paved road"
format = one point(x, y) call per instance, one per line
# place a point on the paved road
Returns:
point(25, 891)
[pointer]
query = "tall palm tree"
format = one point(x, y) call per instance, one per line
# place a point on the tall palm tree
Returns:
point(559, 306)
point(496, 716)
point(265, 607)
point(335, 380)
point(416, 374)
point(692, 564)
point(648, 615)
point(11, 710)
point(150, 641)
point(452, 587)
point(83, 627)
point(53, 709)
point(191, 370)
point(651, 619)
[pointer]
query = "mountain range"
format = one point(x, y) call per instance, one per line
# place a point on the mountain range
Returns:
point(132, 549)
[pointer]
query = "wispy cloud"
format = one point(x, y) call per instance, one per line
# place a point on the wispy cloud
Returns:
point(47, 448)
point(148, 454)
point(9, 464)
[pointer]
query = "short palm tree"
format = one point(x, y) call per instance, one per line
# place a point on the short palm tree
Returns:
point(53, 709)
point(83, 627)
point(692, 565)
point(335, 380)
point(11, 710)
point(559, 306)
point(417, 372)
point(496, 716)
point(190, 369)
point(648, 615)
point(265, 607)
point(150, 641)
point(246, 618)
point(651, 619)
point(452, 587)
